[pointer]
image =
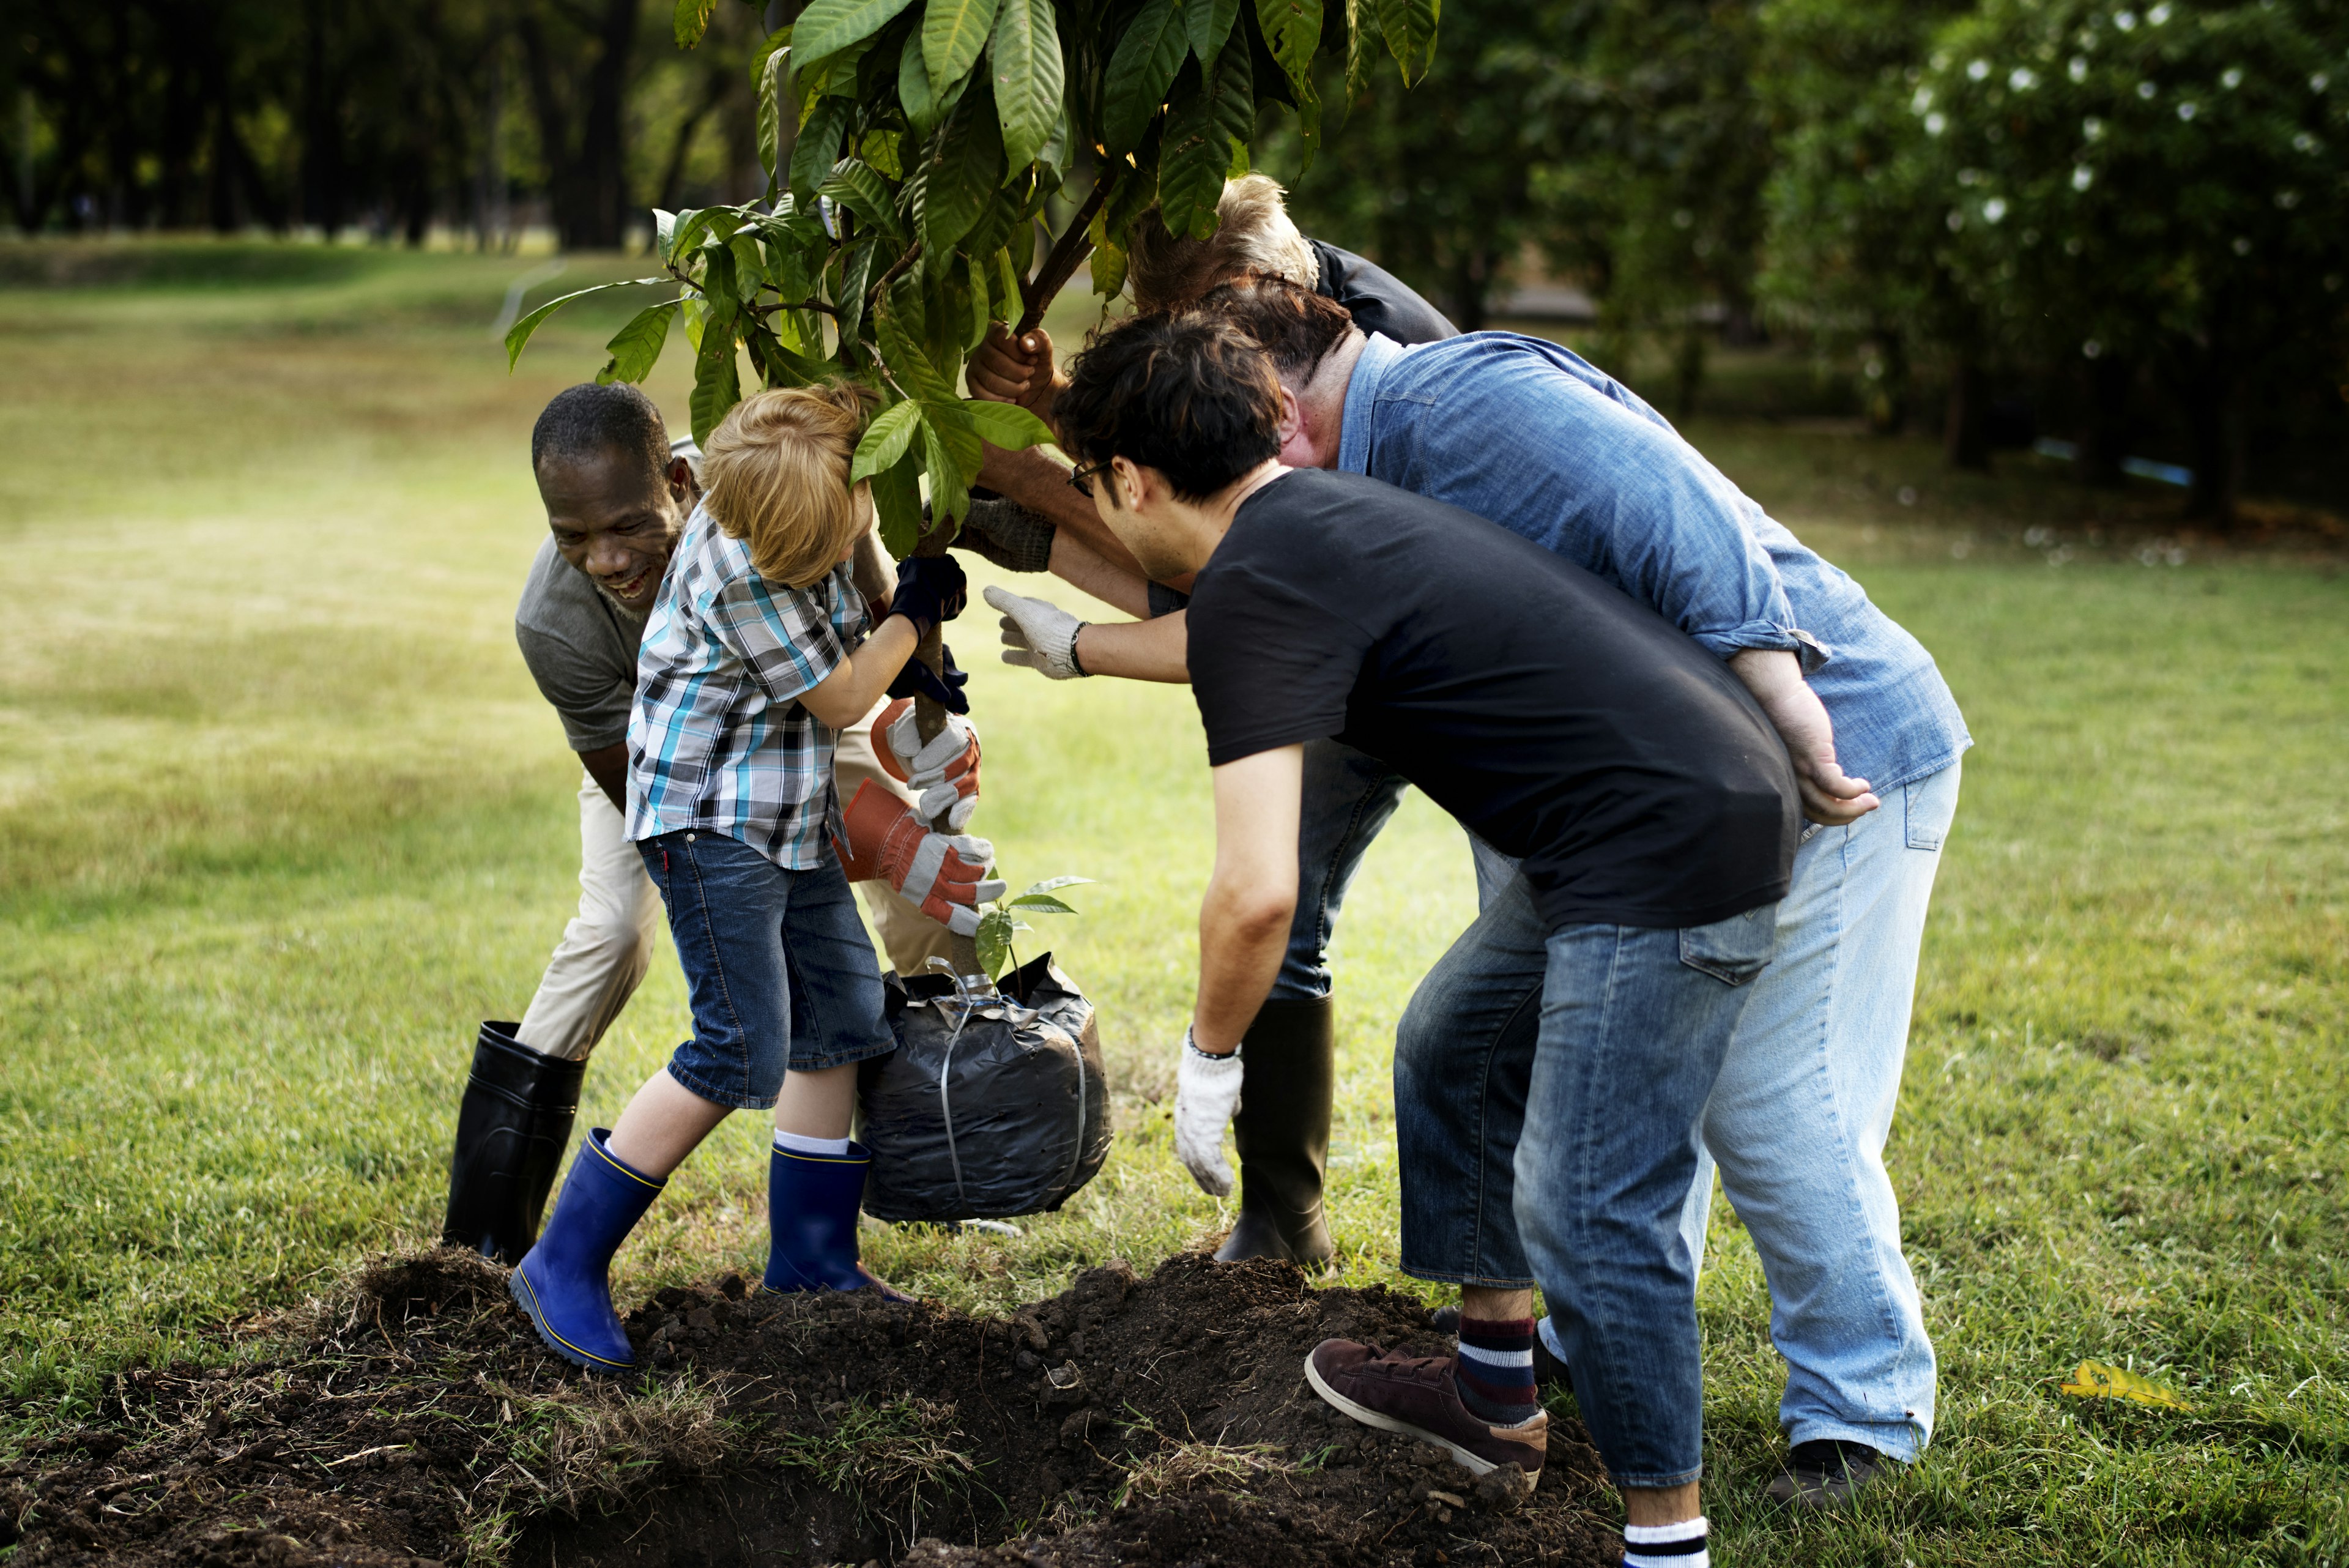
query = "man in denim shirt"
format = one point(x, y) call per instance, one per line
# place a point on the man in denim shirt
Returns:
point(1529, 435)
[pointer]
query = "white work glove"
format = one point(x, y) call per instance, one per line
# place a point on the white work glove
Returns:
point(1207, 1092)
point(944, 774)
point(1038, 634)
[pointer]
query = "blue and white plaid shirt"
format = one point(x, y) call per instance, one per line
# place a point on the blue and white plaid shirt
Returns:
point(717, 739)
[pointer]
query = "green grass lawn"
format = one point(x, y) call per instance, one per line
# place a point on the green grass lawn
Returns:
point(282, 816)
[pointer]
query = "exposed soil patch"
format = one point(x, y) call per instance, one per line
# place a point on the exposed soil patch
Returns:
point(1159, 1420)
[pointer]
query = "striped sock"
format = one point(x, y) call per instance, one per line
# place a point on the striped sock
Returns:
point(1496, 1370)
point(1680, 1545)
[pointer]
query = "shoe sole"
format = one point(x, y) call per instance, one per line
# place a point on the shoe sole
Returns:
point(519, 1287)
point(1476, 1464)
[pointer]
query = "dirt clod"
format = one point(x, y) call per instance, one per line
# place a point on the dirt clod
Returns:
point(415, 1421)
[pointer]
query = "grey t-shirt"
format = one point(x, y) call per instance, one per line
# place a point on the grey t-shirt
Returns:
point(581, 648)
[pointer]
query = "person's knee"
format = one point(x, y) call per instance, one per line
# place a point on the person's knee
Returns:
point(615, 947)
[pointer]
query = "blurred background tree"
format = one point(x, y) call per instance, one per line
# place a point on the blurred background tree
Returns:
point(2115, 222)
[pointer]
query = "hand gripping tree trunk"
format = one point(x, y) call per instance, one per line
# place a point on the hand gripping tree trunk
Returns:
point(929, 719)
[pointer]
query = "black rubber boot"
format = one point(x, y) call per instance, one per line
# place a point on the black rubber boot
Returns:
point(1287, 1071)
point(510, 1134)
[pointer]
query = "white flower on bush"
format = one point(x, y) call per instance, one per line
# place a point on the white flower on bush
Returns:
point(2022, 78)
point(1935, 123)
point(2147, 89)
point(1922, 101)
point(1978, 70)
point(2091, 129)
point(2242, 246)
point(2232, 77)
point(2189, 109)
point(2158, 15)
point(1995, 209)
point(2304, 143)
point(2125, 21)
point(2287, 200)
point(2319, 82)
point(2077, 70)
point(2082, 177)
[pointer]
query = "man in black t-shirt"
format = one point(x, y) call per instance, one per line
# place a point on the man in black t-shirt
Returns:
point(1283, 1129)
point(1650, 804)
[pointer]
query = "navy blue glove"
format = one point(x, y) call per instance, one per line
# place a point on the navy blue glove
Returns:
point(930, 591)
point(915, 680)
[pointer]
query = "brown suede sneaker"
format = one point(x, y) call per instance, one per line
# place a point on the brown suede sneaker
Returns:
point(1416, 1396)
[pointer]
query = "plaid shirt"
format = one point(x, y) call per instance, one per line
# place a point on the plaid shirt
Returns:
point(717, 741)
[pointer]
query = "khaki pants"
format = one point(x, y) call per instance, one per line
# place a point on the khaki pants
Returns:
point(608, 944)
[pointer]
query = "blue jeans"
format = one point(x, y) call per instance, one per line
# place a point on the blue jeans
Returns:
point(1798, 1120)
point(1347, 797)
point(1572, 1170)
point(777, 966)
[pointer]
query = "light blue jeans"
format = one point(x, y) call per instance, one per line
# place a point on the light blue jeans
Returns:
point(1799, 1115)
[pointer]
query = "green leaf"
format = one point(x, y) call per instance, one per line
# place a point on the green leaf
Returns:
point(859, 187)
point(692, 20)
point(953, 33)
point(856, 277)
point(886, 439)
point(961, 175)
point(908, 366)
point(993, 940)
point(1410, 29)
point(1362, 47)
point(951, 450)
point(1292, 32)
point(1043, 903)
point(779, 366)
point(637, 347)
point(1197, 151)
point(521, 331)
point(750, 266)
point(717, 376)
point(1026, 61)
point(1053, 883)
point(827, 27)
point(925, 108)
point(1006, 425)
point(1209, 23)
point(817, 148)
point(1140, 71)
point(771, 75)
point(897, 503)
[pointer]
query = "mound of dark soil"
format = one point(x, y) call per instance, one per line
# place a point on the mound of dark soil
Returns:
point(1154, 1420)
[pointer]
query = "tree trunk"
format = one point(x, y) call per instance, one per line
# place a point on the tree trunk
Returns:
point(2214, 406)
point(1688, 370)
point(929, 718)
point(1965, 436)
point(587, 182)
point(2105, 442)
point(322, 132)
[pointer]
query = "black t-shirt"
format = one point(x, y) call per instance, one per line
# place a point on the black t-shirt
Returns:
point(1557, 719)
point(1381, 302)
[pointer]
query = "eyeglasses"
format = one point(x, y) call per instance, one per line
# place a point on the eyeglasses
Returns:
point(1081, 478)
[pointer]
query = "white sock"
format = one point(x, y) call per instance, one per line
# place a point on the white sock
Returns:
point(796, 1143)
point(1678, 1545)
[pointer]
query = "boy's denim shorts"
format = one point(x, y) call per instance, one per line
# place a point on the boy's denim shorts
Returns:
point(776, 962)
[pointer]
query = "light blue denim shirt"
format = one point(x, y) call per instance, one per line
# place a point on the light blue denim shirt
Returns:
point(1536, 439)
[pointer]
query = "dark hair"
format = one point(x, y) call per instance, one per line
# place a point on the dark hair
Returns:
point(588, 418)
point(1296, 327)
point(1183, 394)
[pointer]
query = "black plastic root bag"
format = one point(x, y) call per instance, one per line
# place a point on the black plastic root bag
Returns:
point(985, 1113)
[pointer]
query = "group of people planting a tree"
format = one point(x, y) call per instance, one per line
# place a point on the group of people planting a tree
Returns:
point(1704, 781)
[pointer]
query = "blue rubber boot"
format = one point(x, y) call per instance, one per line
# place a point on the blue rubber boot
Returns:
point(812, 1205)
point(565, 1283)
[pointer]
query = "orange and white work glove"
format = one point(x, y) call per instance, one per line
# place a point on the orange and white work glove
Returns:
point(943, 774)
point(945, 874)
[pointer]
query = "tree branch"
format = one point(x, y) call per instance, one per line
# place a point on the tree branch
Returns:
point(1060, 261)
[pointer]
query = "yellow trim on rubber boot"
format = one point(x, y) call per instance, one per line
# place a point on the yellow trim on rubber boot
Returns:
point(613, 1160)
point(526, 1297)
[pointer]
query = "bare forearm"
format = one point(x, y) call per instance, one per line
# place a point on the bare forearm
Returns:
point(1075, 563)
point(1243, 932)
point(1038, 482)
point(1139, 650)
point(1775, 680)
point(848, 693)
